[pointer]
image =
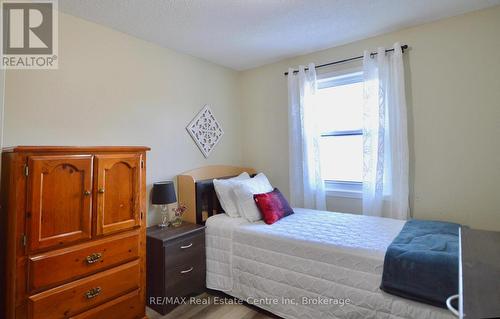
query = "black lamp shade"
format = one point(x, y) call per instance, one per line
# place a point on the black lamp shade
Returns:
point(163, 193)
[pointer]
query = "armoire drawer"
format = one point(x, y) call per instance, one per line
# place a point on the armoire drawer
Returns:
point(128, 306)
point(81, 295)
point(59, 266)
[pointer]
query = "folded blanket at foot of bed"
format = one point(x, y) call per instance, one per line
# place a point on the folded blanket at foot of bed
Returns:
point(422, 262)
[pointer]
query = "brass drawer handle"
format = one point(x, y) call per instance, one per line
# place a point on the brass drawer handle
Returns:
point(101, 190)
point(86, 193)
point(187, 246)
point(187, 270)
point(93, 292)
point(93, 258)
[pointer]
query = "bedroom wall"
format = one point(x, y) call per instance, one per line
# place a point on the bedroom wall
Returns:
point(114, 89)
point(453, 93)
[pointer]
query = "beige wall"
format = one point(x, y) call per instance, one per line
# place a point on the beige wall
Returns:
point(453, 94)
point(114, 89)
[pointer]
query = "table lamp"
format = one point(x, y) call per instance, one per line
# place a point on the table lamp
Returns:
point(164, 194)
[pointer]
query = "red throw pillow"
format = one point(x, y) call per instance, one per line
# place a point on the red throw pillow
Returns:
point(273, 206)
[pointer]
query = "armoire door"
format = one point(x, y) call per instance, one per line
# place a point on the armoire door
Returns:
point(117, 188)
point(59, 201)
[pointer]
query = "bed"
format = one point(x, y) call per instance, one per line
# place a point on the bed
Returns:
point(312, 264)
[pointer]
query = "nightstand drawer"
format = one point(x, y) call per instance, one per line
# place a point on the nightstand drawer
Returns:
point(185, 250)
point(186, 279)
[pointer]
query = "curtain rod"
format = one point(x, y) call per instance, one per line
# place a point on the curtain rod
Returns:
point(403, 48)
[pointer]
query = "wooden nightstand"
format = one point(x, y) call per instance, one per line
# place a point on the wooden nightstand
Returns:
point(176, 264)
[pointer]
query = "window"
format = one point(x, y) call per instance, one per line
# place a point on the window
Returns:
point(340, 103)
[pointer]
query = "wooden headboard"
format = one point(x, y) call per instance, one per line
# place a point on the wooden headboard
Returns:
point(196, 190)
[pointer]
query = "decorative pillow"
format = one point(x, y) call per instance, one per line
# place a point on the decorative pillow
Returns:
point(224, 188)
point(243, 194)
point(273, 206)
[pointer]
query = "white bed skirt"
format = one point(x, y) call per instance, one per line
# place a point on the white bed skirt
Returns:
point(312, 264)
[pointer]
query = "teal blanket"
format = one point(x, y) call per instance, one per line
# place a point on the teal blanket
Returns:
point(422, 262)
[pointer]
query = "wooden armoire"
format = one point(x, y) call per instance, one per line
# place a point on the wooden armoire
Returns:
point(73, 232)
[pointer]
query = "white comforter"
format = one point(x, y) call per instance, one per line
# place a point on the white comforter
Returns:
point(311, 264)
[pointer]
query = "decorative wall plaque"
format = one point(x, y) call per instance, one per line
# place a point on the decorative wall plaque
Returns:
point(205, 130)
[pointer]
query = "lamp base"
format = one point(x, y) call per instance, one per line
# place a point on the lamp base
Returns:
point(164, 217)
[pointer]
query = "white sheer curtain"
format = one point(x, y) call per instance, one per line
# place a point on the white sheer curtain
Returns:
point(385, 137)
point(306, 185)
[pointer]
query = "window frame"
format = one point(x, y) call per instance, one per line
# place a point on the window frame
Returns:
point(344, 189)
point(338, 188)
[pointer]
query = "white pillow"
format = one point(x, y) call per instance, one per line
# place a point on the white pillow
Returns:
point(243, 194)
point(224, 188)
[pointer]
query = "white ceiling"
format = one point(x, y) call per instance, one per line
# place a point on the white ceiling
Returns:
point(242, 34)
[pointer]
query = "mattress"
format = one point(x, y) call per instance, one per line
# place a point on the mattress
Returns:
point(312, 264)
